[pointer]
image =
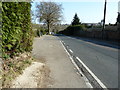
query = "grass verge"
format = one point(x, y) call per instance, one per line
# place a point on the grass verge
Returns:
point(13, 67)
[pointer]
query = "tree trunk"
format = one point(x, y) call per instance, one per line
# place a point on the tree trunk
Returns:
point(48, 26)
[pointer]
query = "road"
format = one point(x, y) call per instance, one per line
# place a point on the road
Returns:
point(63, 73)
point(100, 59)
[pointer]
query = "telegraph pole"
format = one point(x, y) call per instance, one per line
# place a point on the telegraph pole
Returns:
point(103, 28)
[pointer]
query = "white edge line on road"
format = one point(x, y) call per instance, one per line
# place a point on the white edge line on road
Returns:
point(98, 80)
point(71, 51)
point(86, 80)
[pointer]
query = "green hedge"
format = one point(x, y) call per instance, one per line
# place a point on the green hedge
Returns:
point(40, 31)
point(73, 29)
point(0, 28)
point(17, 34)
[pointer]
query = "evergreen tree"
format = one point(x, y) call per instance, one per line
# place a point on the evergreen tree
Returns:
point(76, 20)
point(118, 19)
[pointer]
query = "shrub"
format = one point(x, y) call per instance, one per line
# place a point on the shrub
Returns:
point(72, 30)
point(17, 34)
point(39, 32)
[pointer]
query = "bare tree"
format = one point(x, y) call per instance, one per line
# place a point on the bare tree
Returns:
point(49, 13)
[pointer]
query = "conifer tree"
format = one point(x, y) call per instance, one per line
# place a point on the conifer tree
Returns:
point(76, 20)
point(118, 19)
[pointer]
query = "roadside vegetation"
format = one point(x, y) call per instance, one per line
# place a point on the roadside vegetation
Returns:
point(93, 30)
point(39, 30)
point(18, 33)
point(17, 39)
point(49, 13)
point(13, 67)
point(75, 27)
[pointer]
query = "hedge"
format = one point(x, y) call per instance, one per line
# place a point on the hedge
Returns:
point(0, 28)
point(72, 29)
point(17, 34)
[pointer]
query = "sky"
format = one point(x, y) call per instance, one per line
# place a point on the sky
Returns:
point(87, 11)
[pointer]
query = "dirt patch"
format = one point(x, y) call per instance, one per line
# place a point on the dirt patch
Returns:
point(34, 76)
point(43, 78)
point(40, 59)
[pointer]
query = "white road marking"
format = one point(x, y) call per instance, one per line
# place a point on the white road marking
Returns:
point(71, 51)
point(95, 77)
point(86, 80)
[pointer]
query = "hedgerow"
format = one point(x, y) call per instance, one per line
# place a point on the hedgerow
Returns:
point(17, 34)
point(73, 29)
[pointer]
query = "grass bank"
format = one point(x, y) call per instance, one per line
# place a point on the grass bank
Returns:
point(13, 67)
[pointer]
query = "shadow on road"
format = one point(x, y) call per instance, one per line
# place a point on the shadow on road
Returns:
point(111, 44)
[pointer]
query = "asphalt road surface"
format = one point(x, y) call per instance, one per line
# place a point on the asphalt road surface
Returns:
point(63, 73)
point(100, 58)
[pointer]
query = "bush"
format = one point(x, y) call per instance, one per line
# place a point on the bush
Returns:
point(17, 34)
point(72, 30)
point(40, 32)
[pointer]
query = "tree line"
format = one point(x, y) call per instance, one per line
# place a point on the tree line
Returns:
point(77, 27)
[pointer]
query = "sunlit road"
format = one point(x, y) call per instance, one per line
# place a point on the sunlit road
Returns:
point(101, 60)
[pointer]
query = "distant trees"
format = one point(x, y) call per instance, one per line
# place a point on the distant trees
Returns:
point(75, 27)
point(76, 20)
point(39, 29)
point(49, 13)
point(118, 19)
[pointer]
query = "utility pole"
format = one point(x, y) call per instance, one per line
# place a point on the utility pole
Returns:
point(103, 28)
